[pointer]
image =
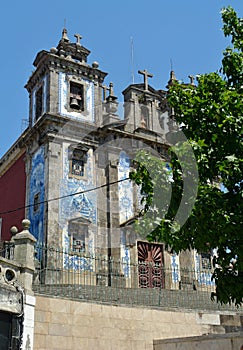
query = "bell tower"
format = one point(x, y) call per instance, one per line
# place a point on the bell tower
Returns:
point(64, 84)
point(65, 110)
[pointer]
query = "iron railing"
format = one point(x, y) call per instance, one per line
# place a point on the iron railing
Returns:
point(113, 281)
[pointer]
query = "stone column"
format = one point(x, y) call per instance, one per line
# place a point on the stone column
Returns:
point(24, 255)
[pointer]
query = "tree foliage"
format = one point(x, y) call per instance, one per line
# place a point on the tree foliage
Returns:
point(210, 116)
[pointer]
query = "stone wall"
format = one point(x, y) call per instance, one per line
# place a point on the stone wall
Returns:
point(65, 324)
point(232, 341)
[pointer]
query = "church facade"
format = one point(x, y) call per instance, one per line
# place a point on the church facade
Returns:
point(77, 153)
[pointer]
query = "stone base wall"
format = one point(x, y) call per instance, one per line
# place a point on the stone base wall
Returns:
point(232, 341)
point(65, 324)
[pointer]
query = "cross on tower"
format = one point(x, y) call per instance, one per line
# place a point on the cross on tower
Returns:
point(191, 77)
point(78, 37)
point(146, 75)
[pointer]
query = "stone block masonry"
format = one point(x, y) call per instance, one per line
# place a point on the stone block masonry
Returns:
point(232, 341)
point(66, 324)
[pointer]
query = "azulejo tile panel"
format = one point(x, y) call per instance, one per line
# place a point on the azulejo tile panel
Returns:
point(125, 189)
point(204, 277)
point(125, 256)
point(175, 268)
point(88, 114)
point(78, 204)
point(37, 190)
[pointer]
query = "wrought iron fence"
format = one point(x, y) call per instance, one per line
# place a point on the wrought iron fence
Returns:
point(109, 280)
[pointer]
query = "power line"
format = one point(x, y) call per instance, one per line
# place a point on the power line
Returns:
point(62, 197)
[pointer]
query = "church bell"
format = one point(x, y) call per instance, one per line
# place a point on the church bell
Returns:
point(74, 103)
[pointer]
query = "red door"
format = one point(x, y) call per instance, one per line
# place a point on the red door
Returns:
point(150, 265)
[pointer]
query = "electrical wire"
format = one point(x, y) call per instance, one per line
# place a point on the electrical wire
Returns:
point(62, 197)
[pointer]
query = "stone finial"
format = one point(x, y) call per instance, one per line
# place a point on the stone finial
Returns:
point(172, 78)
point(25, 233)
point(111, 89)
point(53, 50)
point(13, 230)
point(64, 35)
point(146, 75)
point(95, 64)
point(26, 224)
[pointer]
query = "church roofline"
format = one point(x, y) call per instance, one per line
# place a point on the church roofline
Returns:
point(39, 57)
point(140, 87)
point(116, 124)
point(15, 151)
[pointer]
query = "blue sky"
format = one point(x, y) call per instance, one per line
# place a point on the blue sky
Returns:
point(188, 33)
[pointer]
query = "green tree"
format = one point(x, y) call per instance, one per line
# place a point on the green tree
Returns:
point(210, 115)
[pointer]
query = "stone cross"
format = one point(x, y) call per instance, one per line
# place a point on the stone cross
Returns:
point(191, 77)
point(78, 37)
point(146, 75)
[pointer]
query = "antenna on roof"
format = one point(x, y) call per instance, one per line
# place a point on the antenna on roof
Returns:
point(171, 64)
point(132, 59)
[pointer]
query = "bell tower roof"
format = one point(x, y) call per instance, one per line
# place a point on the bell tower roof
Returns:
point(64, 83)
point(67, 49)
point(74, 50)
point(66, 56)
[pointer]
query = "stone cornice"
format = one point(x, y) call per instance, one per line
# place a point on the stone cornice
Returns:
point(51, 62)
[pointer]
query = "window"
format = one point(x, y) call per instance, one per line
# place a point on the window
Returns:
point(206, 261)
point(144, 117)
point(36, 202)
point(77, 159)
point(78, 231)
point(76, 100)
point(38, 103)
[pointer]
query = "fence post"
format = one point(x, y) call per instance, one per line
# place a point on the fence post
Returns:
point(24, 254)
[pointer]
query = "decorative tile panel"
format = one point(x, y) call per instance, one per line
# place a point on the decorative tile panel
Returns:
point(37, 188)
point(81, 205)
point(88, 114)
point(125, 255)
point(75, 262)
point(175, 268)
point(125, 189)
point(204, 277)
